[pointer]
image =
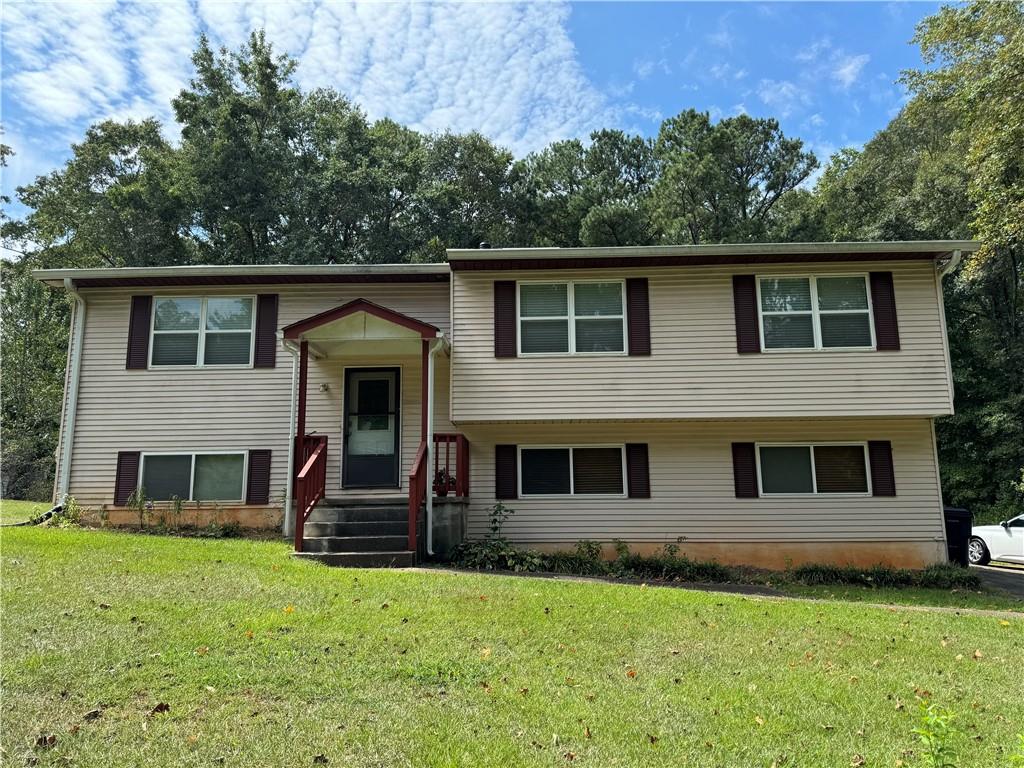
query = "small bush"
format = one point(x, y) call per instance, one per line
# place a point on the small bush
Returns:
point(674, 568)
point(70, 514)
point(948, 577)
point(934, 576)
point(588, 550)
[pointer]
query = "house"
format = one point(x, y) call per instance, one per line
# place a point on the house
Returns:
point(755, 403)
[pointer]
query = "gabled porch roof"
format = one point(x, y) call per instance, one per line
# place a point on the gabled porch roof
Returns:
point(362, 321)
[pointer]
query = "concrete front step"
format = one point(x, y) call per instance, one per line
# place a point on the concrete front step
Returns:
point(358, 528)
point(354, 543)
point(395, 559)
point(325, 513)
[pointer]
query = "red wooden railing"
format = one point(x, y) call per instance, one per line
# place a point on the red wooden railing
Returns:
point(311, 480)
point(451, 474)
point(451, 464)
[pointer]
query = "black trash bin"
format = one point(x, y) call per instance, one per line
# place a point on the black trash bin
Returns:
point(958, 534)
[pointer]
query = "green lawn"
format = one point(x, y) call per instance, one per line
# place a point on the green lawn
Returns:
point(958, 598)
point(261, 660)
point(20, 511)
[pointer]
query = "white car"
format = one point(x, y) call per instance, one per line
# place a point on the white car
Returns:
point(997, 542)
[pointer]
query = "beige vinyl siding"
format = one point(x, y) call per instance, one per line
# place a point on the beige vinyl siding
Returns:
point(233, 408)
point(692, 492)
point(694, 370)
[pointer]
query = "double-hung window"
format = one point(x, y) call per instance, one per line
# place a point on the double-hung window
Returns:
point(813, 469)
point(200, 331)
point(831, 312)
point(193, 476)
point(590, 470)
point(572, 317)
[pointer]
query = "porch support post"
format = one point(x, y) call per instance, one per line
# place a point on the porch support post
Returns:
point(300, 427)
point(424, 383)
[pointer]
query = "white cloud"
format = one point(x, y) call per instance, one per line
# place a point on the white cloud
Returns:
point(783, 96)
point(507, 70)
point(815, 50)
point(848, 68)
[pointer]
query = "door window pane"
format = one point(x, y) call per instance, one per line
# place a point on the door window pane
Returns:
point(845, 330)
point(788, 331)
point(164, 477)
point(786, 294)
point(219, 477)
point(227, 348)
point(175, 348)
point(840, 469)
point(226, 314)
point(786, 469)
point(551, 300)
point(544, 335)
point(177, 314)
point(597, 470)
point(545, 470)
point(595, 299)
point(599, 335)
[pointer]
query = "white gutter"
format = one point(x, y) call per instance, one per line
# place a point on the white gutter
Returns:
point(429, 373)
point(288, 524)
point(71, 395)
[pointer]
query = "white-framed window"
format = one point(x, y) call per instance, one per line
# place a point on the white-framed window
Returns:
point(571, 317)
point(815, 312)
point(199, 331)
point(799, 469)
point(210, 476)
point(572, 470)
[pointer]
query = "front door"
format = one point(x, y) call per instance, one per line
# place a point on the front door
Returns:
point(372, 424)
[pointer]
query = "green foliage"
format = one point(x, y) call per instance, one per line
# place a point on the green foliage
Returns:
point(936, 734)
point(70, 514)
point(934, 576)
point(588, 550)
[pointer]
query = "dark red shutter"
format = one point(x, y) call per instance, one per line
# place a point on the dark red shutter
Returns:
point(638, 475)
point(505, 318)
point(638, 316)
point(127, 479)
point(883, 306)
point(744, 297)
point(744, 470)
point(257, 487)
point(138, 333)
point(265, 348)
point(883, 479)
point(506, 475)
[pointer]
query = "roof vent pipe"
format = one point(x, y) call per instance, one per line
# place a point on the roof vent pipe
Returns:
point(484, 245)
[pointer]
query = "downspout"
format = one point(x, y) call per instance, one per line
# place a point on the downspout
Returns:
point(71, 401)
point(289, 517)
point(434, 348)
point(953, 263)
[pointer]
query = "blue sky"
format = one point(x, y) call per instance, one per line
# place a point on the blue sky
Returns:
point(523, 74)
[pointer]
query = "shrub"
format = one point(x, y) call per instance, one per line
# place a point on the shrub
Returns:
point(70, 514)
point(674, 568)
point(588, 550)
point(934, 576)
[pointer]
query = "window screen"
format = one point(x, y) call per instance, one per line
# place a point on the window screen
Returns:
point(840, 469)
point(597, 470)
point(218, 477)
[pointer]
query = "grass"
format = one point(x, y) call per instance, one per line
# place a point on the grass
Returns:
point(958, 598)
point(262, 660)
point(20, 511)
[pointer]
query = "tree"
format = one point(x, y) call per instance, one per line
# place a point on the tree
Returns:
point(721, 182)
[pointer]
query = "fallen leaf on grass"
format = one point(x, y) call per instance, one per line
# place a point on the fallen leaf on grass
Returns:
point(289, 609)
point(652, 739)
point(570, 756)
point(630, 673)
point(858, 760)
point(160, 708)
point(1004, 623)
point(485, 653)
point(211, 689)
point(978, 655)
point(249, 634)
point(320, 760)
point(93, 714)
point(586, 732)
point(45, 741)
point(202, 650)
point(759, 720)
point(104, 606)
